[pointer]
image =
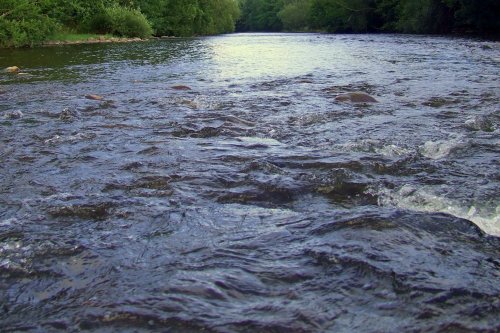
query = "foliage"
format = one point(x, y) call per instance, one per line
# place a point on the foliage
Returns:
point(29, 22)
point(260, 15)
point(424, 16)
point(477, 15)
point(295, 15)
point(408, 16)
point(22, 23)
point(121, 21)
point(190, 17)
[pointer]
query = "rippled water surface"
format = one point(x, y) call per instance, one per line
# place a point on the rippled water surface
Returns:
point(253, 201)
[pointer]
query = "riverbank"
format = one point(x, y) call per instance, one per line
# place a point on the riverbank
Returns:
point(95, 39)
point(71, 39)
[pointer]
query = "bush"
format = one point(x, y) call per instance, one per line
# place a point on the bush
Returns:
point(129, 22)
point(295, 15)
point(20, 32)
point(120, 21)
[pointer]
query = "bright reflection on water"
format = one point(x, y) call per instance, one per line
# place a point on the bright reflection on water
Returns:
point(272, 55)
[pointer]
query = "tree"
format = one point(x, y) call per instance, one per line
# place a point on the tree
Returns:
point(295, 15)
point(343, 15)
point(260, 15)
point(480, 16)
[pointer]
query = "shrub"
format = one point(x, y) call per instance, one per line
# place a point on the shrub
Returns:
point(120, 21)
point(25, 32)
point(22, 23)
point(128, 22)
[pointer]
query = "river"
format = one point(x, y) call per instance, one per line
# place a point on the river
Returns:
point(216, 185)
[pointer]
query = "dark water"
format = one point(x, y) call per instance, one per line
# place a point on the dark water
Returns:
point(254, 202)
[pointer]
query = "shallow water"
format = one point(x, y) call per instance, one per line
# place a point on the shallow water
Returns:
point(254, 201)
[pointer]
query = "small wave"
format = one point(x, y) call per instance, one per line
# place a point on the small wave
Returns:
point(425, 200)
point(56, 139)
point(377, 147)
point(259, 141)
point(9, 222)
point(440, 149)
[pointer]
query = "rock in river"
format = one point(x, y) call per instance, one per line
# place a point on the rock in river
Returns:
point(94, 97)
point(12, 69)
point(13, 115)
point(355, 97)
point(180, 87)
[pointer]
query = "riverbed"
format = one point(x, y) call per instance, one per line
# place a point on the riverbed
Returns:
point(216, 184)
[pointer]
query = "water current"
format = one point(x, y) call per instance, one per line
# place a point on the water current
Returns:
point(216, 185)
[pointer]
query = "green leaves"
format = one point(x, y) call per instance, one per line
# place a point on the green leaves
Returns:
point(409, 16)
point(29, 22)
point(22, 23)
point(124, 22)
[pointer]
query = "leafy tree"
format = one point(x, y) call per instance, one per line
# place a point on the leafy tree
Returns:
point(343, 15)
point(424, 16)
point(260, 15)
point(216, 16)
point(481, 16)
point(295, 15)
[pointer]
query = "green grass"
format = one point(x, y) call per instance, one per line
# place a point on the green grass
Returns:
point(72, 37)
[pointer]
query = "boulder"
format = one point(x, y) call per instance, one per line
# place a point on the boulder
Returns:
point(12, 69)
point(13, 115)
point(356, 97)
point(480, 123)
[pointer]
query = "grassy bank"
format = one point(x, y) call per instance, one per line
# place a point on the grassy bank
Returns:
point(74, 37)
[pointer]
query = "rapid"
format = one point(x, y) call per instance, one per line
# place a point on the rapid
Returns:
point(215, 184)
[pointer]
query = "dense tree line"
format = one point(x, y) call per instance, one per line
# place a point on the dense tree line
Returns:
point(28, 22)
point(408, 16)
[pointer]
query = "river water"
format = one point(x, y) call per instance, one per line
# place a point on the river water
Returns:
point(253, 201)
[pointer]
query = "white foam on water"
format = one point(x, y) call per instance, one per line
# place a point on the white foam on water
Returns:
point(9, 222)
point(56, 139)
point(425, 200)
point(256, 140)
point(377, 147)
point(440, 149)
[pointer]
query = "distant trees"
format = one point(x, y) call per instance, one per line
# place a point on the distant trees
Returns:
point(295, 15)
point(260, 15)
point(407, 16)
point(190, 17)
point(343, 15)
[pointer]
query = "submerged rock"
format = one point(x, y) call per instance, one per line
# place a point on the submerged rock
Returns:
point(356, 97)
point(98, 211)
point(68, 114)
point(181, 87)
point(12, 69)
point(480, 123)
